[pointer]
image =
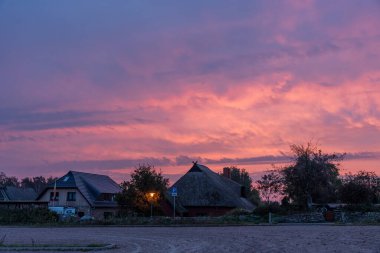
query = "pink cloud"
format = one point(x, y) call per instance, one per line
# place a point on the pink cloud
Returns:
point(229, 82)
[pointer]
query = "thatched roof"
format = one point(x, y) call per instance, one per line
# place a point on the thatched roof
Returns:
point(201, 187)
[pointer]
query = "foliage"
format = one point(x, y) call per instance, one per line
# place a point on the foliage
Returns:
point(135, 195)
point(254, 197)
point(313, 176)
point(242, 177)
point(8, 181)
point(27, 216)
point(361, 208)
point(360, 188)
point(37, 183)
point(270, 185)
point(237, 212)
point(273, 207)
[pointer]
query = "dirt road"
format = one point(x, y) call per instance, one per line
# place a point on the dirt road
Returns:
point(300, 238)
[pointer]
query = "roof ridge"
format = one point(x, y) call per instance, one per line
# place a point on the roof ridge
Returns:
point(81, 172)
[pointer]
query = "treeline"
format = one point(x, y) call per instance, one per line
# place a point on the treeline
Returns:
point(36, 183)
point(314, 177)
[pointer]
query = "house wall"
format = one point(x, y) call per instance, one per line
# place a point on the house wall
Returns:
point(80, 203)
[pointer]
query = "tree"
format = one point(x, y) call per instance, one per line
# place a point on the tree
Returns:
point(313, 176)
point(8, 181)
point(37, 183)
point(136, 193)
point(360, 188)
point(242, 177)
point(270, 185)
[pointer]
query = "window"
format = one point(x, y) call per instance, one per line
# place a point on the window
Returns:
point(52, 198)
point(106, 197)
point(71, 196)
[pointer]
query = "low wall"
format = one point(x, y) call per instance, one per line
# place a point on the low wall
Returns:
point(313, 217)
point(338, 216)
point(358, 217)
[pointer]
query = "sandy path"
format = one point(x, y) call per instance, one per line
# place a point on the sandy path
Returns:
point(301, 238)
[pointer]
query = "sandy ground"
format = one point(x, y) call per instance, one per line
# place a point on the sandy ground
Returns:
point(294, 238)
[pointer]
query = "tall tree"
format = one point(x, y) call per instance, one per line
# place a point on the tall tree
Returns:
point(37, 183)
point(8, 181)
point(242, 177)
point(360, 188)
point(270, 185)
point(313, 176)
point(146, 187)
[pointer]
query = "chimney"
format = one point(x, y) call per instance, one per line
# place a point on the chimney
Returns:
point(227, 172)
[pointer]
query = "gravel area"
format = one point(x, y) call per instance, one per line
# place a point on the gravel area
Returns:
point(292, 238)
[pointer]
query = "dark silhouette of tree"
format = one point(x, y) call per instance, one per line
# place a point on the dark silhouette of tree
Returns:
point(8, 181)
point(242, 177)
point(146, 187)
point(313, 176)
point(270, 185)
point(360, 188)
point(37, 183)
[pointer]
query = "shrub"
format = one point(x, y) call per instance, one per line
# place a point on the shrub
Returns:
point(273, 207)
point(361, 208)
point(27, 216)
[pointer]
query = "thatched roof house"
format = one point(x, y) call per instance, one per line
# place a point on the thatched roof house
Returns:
point(204, 192)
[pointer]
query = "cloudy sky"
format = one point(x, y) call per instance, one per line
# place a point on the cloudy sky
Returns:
point(101, 86)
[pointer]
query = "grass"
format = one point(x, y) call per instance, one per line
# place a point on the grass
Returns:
point(54, 247)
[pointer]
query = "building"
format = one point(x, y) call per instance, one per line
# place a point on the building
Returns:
point(19, 198)
point(90, 194)
point(202, 192)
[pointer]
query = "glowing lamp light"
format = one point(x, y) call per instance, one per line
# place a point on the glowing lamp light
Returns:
point(151, 196)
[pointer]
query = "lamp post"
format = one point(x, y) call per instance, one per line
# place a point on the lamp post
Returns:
point(151, 196)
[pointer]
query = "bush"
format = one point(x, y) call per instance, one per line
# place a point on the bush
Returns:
point(27, 216)
point(361, 208)
point(237, 212)
point(273, 207)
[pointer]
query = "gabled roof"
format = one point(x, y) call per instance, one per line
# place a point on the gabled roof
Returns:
point(10, 193)
point(200, 186)
point(90, 185)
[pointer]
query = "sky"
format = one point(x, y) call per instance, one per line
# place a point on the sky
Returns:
point(103, 86)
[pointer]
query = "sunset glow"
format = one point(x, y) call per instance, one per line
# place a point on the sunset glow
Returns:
point(103, 86)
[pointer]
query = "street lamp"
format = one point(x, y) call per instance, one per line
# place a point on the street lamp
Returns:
point(151, 197)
